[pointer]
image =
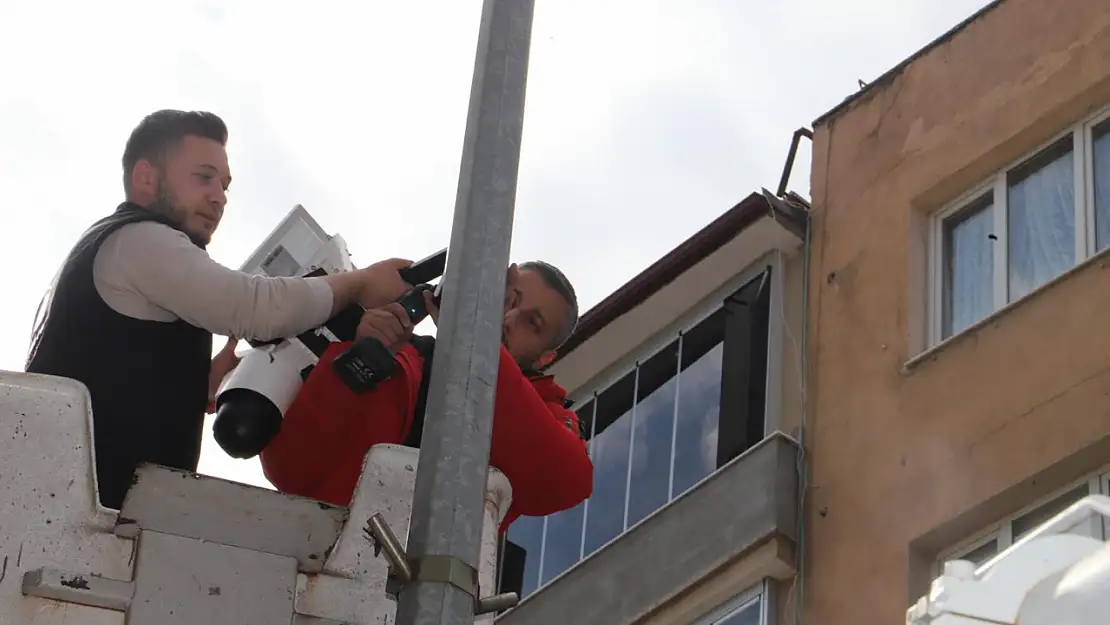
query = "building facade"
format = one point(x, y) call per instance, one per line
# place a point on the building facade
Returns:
point(688, 379)
point(960, 379)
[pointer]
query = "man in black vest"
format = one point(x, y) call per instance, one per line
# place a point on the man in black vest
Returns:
point(132, 311)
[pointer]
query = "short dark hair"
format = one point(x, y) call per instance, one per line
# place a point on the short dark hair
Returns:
point(558, 281)
point(162, 130)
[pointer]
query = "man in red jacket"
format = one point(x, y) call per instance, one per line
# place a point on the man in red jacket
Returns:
point(536, 442)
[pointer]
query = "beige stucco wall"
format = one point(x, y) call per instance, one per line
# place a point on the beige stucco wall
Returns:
point(765, 561)
point(907, 461)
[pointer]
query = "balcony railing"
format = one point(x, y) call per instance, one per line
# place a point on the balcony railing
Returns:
point(730, 516)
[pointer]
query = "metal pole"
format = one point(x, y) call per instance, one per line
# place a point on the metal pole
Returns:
point(448, 502)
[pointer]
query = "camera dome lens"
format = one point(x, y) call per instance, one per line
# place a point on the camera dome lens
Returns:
point(246, 421)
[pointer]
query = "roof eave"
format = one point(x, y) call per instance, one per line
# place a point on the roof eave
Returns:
point(669, 268)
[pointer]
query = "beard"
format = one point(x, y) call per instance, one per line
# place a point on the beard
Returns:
point(166, 204)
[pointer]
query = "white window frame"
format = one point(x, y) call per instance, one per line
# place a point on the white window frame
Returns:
point(697, 313)
point(1000, 532)
point(761, 594)
point(1085, 233)
point(1097, 483)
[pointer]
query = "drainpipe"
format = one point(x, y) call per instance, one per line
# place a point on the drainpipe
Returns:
point(802, 460)
point(797, 220)
point(785, 180)
point(801, 224)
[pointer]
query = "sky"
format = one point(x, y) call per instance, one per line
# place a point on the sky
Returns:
point(645, 120)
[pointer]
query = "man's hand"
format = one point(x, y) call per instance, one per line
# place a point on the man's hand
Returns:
point(382, 284)
point(389, 324)
point(512, 294)
point(222, 365)
point(430, 305)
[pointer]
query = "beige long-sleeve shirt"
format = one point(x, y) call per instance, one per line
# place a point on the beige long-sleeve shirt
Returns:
point(150, 271)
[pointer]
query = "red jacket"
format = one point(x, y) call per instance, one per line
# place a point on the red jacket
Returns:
point(328, 430)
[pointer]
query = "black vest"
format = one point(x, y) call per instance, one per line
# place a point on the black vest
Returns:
point(148, 380)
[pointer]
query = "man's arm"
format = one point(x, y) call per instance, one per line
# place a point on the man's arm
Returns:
point(297, 459)
point(327, 420)
point(150, 271)
point(536, 444)
point(325, 416)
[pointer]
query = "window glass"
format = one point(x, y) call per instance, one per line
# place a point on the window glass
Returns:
point(699, 403)
point(563, 543)
point(743, 406)
point(1100, 151)
point(1032, 520)
point(1015, 528)
point(749, 614)
point(968, 267)
point(1041, 202)
point(527, 534)
point(653, 425)
point(610, 457)
point(980, 554)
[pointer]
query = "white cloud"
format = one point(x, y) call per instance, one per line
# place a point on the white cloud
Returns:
point(646, 119)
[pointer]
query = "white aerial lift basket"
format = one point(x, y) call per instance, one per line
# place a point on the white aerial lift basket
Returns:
point(187, 549)
point(1050, 577)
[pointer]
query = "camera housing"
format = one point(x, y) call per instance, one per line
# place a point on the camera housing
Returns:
point(252, 399)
